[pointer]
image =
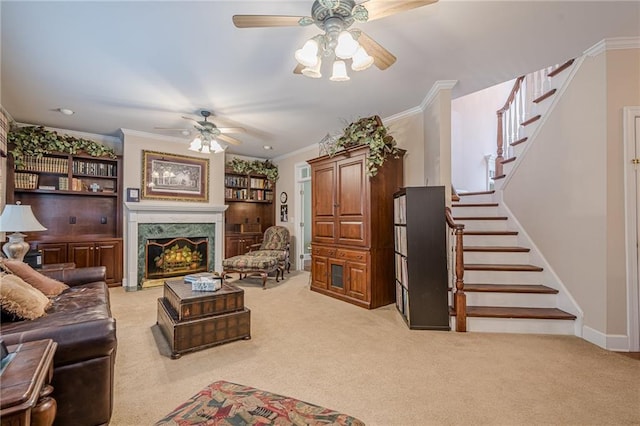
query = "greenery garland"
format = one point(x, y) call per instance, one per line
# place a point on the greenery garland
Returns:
point(37, 141)
point(368, 131)
point(246, 167)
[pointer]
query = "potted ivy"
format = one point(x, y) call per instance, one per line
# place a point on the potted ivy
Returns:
point(37, 141)
point(246, 167)
point(368, 131)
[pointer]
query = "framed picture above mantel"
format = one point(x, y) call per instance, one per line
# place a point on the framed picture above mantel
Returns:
point(174, 177)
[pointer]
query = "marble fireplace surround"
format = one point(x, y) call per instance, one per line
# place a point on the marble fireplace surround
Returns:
point(142, 213)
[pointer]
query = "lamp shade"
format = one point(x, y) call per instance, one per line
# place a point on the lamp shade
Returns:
point(339, 72)
point(196, 145)
point(19, 218)
point(347, 46)
point(308, 55)
point(313, 72)
point(361, 60)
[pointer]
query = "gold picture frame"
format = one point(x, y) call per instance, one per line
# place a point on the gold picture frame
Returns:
point(174, 177)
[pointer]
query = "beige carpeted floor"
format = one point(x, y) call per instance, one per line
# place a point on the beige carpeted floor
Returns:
point(370, 365)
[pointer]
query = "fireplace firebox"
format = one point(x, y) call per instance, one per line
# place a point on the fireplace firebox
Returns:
point(170, 257)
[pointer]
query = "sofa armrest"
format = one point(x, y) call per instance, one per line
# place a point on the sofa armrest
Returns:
point(77, 276)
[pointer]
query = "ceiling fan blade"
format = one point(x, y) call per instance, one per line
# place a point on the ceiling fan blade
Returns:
point(228, 139)
point(298, 69)
point(382, 58)
point(253, 21)
point(382, 8)
point(177, 129)
point(231, 130)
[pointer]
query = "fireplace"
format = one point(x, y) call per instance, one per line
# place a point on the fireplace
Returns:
point(152, 226)
point(172, 257)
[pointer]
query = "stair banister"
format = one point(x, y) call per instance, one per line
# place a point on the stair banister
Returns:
point(459, 298)
point(502, 124)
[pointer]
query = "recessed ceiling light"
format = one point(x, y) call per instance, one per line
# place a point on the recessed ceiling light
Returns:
point(267, 147)
point(66, 111)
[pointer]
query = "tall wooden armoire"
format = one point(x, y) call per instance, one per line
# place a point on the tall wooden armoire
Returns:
point(352, 240)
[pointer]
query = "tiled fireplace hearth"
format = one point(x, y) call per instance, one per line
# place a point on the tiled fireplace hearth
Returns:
point(154, 222)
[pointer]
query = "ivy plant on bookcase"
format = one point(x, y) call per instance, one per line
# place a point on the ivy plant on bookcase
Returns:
point(78, 198)
point(421, 257)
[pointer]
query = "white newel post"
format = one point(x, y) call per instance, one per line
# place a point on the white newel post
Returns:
point(137, 214)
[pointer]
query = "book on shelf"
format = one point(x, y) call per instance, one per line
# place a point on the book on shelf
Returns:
point(48, 187)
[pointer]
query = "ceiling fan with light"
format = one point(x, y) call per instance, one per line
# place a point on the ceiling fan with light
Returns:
point(339, 41)
point(209, 137)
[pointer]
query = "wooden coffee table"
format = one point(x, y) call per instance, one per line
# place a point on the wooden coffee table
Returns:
point(25, 386)
point(193, 320)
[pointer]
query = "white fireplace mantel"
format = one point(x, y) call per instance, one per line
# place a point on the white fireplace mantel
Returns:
point(137, 213)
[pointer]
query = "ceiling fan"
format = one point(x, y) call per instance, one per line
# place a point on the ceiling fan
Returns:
point(209, 137)
point(335, 18)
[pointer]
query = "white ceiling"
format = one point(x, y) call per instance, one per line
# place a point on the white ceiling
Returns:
point(141, 65)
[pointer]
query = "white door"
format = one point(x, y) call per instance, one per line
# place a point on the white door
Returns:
point(303, 211)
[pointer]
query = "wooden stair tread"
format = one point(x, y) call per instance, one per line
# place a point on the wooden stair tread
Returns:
point(508, 160)
point(519, 141)
point(509, 288)
point(464, 194)
point(480, 218)
point(544, 96)
point(514, 312)
point(501, 267)
point(507, 249)
point(475, 205)
point(561, 68)
point(490, 233)
point(531, 120)
point(502, 176)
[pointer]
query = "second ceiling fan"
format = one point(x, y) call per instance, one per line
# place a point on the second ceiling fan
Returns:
point(339, 41)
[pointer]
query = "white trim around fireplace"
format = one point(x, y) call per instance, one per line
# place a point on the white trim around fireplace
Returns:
point(137, 213)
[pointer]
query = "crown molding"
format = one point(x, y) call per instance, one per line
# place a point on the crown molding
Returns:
point(617, 43)
point(433, 92)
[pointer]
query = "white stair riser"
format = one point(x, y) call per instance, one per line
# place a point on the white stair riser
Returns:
point(518, 325)
point(506, 168)
point(520, 300)
point(475, 211)
point(483, 225)
point(511, 258)
point(480, 198)
point(490, 240)
point(503, 277)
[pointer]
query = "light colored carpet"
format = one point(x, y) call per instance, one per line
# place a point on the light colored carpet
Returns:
point(368, 364)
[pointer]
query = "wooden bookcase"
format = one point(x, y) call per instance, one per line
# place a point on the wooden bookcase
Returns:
point(421, 257)
point(78, 198)
point(251, 210)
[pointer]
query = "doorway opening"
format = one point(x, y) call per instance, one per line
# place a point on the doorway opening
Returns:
point(303, 211)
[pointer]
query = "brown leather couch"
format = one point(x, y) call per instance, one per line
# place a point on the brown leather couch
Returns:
point(80, 321)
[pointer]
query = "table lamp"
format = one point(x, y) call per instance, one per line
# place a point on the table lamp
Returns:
point(17, 218)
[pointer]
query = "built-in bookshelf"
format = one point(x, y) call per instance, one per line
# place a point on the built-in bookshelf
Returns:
point(421, 257)
point(254, 188)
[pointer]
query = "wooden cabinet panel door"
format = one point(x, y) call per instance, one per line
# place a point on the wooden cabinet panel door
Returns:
point(53, 253)
point(352, 199)
point(323, 204)
point(81, 254)
point(337, 275)
point(107, 254)
point(357, 280)
point(319, 272)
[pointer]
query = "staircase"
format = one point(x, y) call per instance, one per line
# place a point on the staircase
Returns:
point(506, 289)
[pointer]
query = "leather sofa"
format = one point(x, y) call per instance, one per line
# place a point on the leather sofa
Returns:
point(80, 321)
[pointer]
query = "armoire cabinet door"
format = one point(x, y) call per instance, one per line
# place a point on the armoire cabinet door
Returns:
point(324, 203)
point(352, 199)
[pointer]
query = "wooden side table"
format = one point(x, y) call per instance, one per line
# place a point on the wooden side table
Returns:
point(25, 390)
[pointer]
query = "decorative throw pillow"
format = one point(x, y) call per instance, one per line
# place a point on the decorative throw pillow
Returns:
point(20, 299)
point(48, 286)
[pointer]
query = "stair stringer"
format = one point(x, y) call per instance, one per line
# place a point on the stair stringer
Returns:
point(564, 299)
point(561, 85)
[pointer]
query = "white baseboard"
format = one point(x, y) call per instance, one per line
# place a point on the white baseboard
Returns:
point(612, 342)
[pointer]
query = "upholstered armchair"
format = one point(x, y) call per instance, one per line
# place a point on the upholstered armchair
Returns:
point(275, 243)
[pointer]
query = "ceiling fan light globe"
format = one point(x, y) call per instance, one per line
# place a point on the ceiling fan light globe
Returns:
point(361, 60)
point(308, 54)
point(205, 149)
point(196, 145)
point(347, 46)
point(339, 72)
point(313, 72)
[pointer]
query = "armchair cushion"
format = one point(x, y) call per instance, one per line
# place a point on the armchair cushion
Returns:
point(48, 286)
point(281, 255)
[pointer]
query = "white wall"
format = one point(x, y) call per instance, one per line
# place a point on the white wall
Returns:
point(408, 131)
point(474, 135)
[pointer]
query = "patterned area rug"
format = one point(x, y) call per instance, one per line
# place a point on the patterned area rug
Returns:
point(229, 404)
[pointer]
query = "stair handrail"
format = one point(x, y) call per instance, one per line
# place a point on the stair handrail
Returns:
point(501, 112)
point(459, 297)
